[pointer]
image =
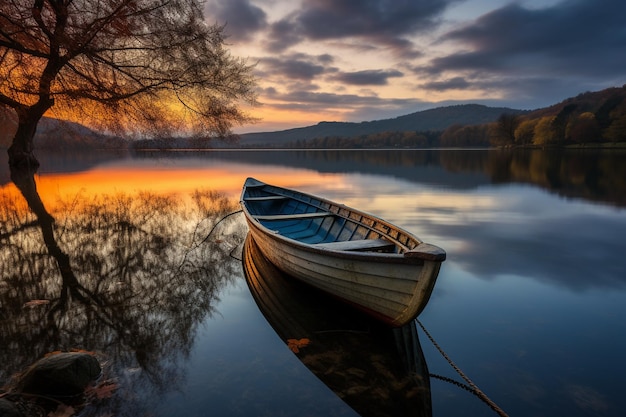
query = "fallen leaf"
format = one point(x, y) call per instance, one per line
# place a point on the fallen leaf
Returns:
point(296, 344)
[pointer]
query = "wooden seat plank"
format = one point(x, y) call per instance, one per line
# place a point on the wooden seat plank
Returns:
point(357, 245)
point(266, 198)
point(297, 216)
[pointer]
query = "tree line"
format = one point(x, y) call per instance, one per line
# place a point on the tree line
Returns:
point(589, 118)
point(578, 121)
point(393, 139)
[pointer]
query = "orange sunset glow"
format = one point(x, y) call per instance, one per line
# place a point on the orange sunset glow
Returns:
point(164, 181)
point(269, 117)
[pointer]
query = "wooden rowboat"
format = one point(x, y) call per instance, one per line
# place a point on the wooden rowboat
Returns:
point(375, 369)
point(359, 258)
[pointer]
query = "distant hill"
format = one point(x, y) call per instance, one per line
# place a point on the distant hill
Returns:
point(588, 101)
point(428, 120)
point(53, 134)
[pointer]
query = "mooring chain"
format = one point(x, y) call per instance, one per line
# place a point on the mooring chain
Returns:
point(192, 248)
point(472, 387)
point(216, 224)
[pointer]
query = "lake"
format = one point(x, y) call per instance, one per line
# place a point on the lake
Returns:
point(530, 304)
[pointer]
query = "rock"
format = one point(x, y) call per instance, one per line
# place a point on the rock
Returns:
point(9, 409)
point(60, 375)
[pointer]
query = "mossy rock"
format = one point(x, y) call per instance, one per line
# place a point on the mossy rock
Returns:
point(64, 374)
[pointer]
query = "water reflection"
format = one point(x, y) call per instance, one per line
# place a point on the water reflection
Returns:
point(531, 304)
point(376, 370)
point(567, 244)
point(593, 175)
point(589, 174)
point(129, 277)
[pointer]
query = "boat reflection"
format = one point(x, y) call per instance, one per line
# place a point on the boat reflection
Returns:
point(375, 369)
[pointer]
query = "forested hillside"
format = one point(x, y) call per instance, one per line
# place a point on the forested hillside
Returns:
point(589, 118)
point(433, 120)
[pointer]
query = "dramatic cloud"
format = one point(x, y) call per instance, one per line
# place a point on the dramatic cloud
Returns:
point(456, 83)
point(296, 66)
point(282, 35)
point(534, 57)
point(385, 22)
point(350, 57)
point(242, 19)
point(330, 99)
point(356, 107)
point(572, 38)
point(367, 77)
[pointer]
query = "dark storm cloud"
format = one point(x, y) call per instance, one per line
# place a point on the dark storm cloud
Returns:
point(367, 77)
point(360, 104)
point(242, 19)
point(296, 66)
point(386, 22)
point(575, 37)
point(282, 35)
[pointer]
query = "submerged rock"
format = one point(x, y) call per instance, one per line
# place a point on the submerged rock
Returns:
point(60, 375)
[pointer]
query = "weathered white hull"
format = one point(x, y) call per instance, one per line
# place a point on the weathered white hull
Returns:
point(393, 287)
point(395, 292)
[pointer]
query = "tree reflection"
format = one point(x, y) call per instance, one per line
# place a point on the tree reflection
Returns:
point(128, 276)
point(590, 174)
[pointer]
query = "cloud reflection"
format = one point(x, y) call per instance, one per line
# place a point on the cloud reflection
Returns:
point(518, 230)
point(512, 230)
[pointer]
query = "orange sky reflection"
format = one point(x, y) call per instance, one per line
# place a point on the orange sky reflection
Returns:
point(165, 181)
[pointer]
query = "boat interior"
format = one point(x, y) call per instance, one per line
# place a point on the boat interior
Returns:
point(319, 222)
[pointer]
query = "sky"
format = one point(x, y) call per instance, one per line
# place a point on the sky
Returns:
point(362, 60)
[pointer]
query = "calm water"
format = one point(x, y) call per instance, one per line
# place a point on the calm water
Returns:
point(530, 304)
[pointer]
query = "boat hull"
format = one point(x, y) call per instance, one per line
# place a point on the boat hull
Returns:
point(392, 287)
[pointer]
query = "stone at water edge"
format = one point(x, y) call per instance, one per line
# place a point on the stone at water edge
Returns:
point(8, 409)
point(64, 374)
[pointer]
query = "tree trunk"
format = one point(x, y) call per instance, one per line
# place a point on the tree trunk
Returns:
point(21, 150)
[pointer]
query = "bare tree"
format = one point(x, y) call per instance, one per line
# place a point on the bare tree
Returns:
point(124, 65)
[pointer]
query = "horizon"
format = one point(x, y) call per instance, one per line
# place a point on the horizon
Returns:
point(349, 61)
point(390, 118)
